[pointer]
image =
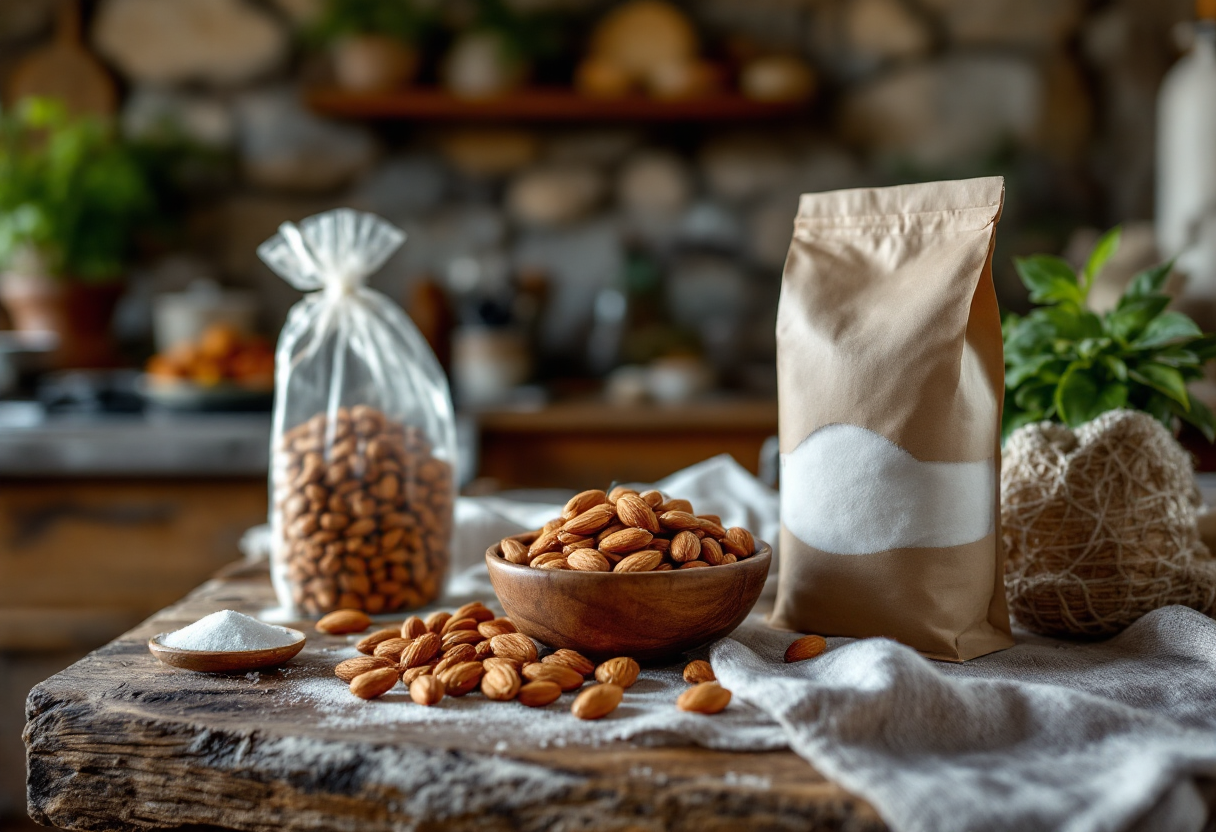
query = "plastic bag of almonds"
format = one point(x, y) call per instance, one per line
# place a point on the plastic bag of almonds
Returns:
point(363, 446)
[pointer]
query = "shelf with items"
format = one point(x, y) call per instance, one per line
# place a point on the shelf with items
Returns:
point(546, 104)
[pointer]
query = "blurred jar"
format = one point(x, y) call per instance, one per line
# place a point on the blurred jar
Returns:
point(488, 364)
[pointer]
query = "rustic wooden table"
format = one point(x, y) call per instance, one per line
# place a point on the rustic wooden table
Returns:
point(118, 741)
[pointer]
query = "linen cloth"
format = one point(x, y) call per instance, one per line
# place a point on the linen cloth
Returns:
point(1046, 735)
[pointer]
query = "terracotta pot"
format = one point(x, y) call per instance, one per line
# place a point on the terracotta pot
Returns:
point(79, 313)
point(373, 63)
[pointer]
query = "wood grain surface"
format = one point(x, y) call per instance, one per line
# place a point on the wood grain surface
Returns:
point(120, 742)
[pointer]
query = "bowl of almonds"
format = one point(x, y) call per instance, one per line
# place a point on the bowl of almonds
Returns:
point(629, 573)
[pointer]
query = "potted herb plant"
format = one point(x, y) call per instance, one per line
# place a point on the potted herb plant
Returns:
point(374, 43)
point(1067, 364)
point(73, 194)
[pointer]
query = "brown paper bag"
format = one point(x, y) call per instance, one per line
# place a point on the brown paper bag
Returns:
point(891, 377)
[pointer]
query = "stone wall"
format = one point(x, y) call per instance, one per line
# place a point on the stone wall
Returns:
point(1057, 95)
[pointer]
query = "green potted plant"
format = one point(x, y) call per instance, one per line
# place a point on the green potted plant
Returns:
point(1066, 363)
point(497, 46)
point(73, 194)
point(374, 43)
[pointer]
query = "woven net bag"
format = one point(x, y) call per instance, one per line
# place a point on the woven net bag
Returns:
point(1099, 525)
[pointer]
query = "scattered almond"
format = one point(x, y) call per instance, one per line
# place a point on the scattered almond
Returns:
point(413, 627)
point(459, 653)
point(410, 674)
point(696, 672)
point(495, 627)
point(426, 690)
point(421, 650)
point(622, 671)
point(565, 678)
point(484, 650)
point(807, 647)
point(497, 661)
point(436, 620)
point(374, 683)
point(341, 622)
point(500, 683)
point(475, 610)
point(392, 648)
point(539, 694)
point(597, 701)
point(458, 637)
point(367, 644)
point(349, 669)
point(515, 646)
point(705, 698)
point(455, 623)
point(572, 659)
point(460, 679)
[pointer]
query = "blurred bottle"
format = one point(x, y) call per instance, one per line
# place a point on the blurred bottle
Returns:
point(1186, 159)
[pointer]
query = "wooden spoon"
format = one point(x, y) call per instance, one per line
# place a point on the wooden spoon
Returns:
point(66, 70)
point(225, 661)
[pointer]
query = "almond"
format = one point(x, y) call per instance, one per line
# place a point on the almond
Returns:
point(495, 627)
point(676, 505)
point(460, 679)
point(633, 511)
point(654, 499)
point(392, 648)
point(685, 546)
point(622, 671)
point(459, 653)
point(626, 540)
point(515, 646)
point(426, 690)
point(436, 620)
point(807, 647)
point(576, 540)
point(587, 560)
point(572, 659)
point(696, 672)
point(679, 521)
point(663, 567)
point(341, 622)
point(497, 661)
point(582, 501)
point(455, 623)
point(367, 644)
point(705, 698)
point(716, 519)
point(644, 561)
point(597, 701)
point(484, 650)
point(421, 650)
point(547, 542)
point(500, 683)
point(711, 553)
point(457, 638)
point(591, 520)
point(349, 669)
point(413, 627)
point(585, 543)
point(739, 542)
point(553, 525)
point(374, 683)
point(618, 492)
point(693, 564)
point(611, 530)
point(564, 677)
point(542, 561)
point(711, 528)
point(514, 551)
point(475, 610)
point(539, 694)
point(410, 674)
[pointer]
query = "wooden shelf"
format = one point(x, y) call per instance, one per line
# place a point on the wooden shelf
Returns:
point(544, 104)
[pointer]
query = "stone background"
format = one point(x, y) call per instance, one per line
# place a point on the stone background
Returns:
point(1057, 95)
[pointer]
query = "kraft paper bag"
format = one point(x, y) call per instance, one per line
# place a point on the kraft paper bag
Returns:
point(890, 379)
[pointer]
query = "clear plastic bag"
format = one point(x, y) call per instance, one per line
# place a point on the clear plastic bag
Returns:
point(363, 448)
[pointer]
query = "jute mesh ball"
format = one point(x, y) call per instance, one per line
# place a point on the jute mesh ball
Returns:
point(1099, 525)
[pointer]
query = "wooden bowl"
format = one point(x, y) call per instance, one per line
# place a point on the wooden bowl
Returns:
point(225, 661)
point(650, 616)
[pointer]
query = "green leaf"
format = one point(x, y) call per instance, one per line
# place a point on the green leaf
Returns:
point(1166, 327)
point(1105, 248)
point(1115, 366)
point(1049, 279)
point(1037, 397)
point(1028, 369)
point(1112, 397)
point(1075, 395)
point(1072, 322)
point(1165, 380)
point(1201, 417)
point(1150, 281)
point(1129, 320)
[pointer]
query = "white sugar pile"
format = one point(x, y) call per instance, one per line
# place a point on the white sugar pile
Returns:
point(228, 630)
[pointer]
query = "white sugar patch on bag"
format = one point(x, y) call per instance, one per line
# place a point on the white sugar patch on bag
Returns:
point(229, 630)
point(849, 491)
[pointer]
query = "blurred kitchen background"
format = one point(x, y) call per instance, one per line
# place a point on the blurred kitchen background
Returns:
point(598, 196)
